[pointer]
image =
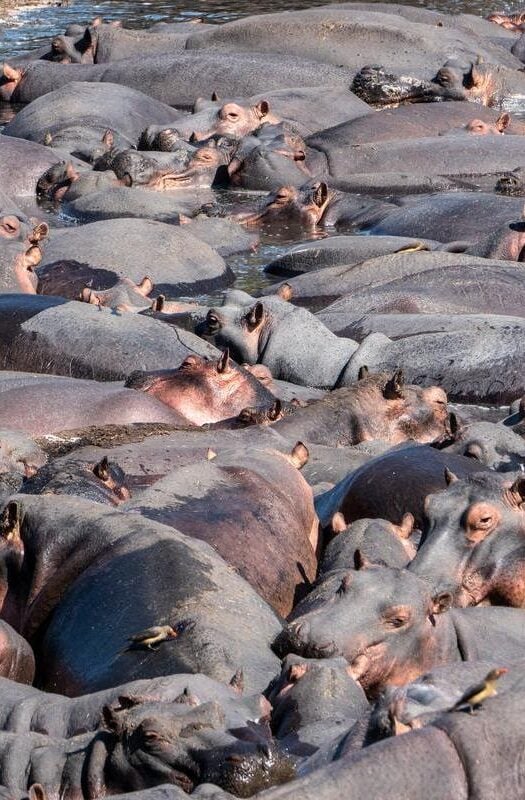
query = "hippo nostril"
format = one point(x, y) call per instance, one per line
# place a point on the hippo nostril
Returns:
point(10, 226)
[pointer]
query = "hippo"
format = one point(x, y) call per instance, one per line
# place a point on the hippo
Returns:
point(256, 331)
point(35, 158)
point(74, 339)
point(112, 549)
point(101, 253)
point(448, 217)
point(176, 79)
point(391, 629)
point(378, 540)
point(27, 709)
point(125, 295)
point(20, 256)
point(261, 501)
point(495, 445)
point(335, 36)
point(103, 482)
point(472, 540)
point(62, 403)
point(118, 201)
point(313, 700)
point(202, 390)
point(315, 204)
point(378, 406)
point(88, 111)
point(375, 490)
point(125, 754)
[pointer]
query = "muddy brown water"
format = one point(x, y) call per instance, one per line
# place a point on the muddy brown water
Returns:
point(30, 27)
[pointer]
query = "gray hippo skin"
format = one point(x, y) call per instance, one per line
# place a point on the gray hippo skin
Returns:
point(51, 335)
point(222, 624)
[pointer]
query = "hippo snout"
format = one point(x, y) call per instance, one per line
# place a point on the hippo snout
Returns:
point(299, 638)
point(137, 380)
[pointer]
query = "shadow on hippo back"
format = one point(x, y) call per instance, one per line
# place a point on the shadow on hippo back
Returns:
point(380, 619)
point(473, 544)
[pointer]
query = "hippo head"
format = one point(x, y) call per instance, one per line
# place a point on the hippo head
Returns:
point(381, 620)
point(207, 166)
point(303, 207)
point(204, 390)
point(478, 127)
point(236, 120)
point(72, 49)
point(467, 81)
point(511, 22)
point(57, 180)
point(482, 511)
point(125, 296)
point(241, 328)
point(186, 743)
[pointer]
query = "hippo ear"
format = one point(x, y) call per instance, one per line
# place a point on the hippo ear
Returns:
point(503, 122)
point(10, 523)
point(71, 173)
point(441, 602)
point(145, 287)
point(254, 317)
point(37, 792)
point(394, 387)
point(126, 701)
point(223, 364)
point(344, 585)
point(262, 109)
point(517, 491)
point(455, 426)
point(474, 450)
point(361, 561)
point(193, 138)
point(237, 681)
point(275, 411)
point(320, 195)
point(338, 523)
point(363, 373)
point(450, 477)
point(101, 470)
point(285, 291)
point(11, 73)
point(406, 527)
point(215, 97)
point(111, 719)
point(299, 456)
point(108, 140)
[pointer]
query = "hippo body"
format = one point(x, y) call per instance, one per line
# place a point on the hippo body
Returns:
point(374, 490)
point(263, 521)
point(83, 652)
point(176, 261)
point(43, 334)
point(177, 79)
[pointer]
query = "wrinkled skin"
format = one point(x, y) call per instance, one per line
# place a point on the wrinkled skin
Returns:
point(512, 183)
point(472, 543)
point(202, 390)
point(254, 509)
point(143, 746)
point(376, 407)
point(378, 87)
point(207, 166)
point(26, 709)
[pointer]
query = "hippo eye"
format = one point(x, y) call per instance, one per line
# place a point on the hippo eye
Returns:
point(485, 521)
point(396, 622)
point(281, 196)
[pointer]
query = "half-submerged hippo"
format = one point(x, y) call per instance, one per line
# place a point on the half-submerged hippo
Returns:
point(473, 542)
point(103, 482)
point(204, 390)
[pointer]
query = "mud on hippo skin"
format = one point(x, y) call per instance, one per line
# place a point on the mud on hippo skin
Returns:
point(473, 540)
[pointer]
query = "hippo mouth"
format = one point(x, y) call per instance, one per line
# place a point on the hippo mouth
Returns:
point(173, 180)
point(290, 641)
